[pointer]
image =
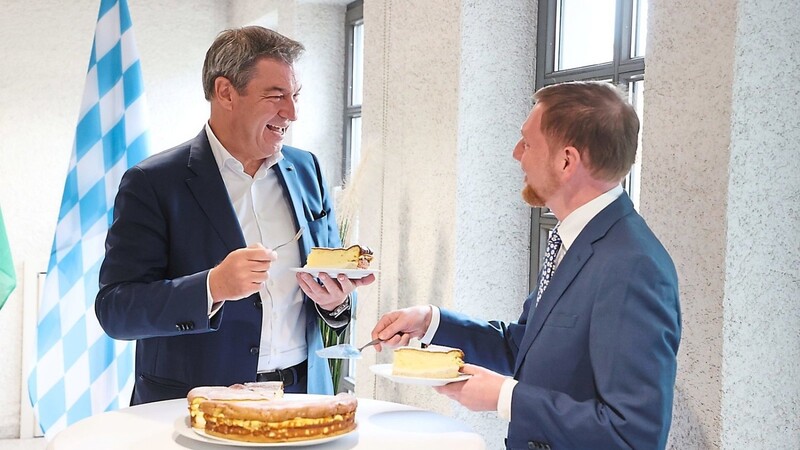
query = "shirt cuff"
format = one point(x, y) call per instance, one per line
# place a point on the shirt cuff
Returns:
point(435, 319)
point(504, 400)
point(212, 308)
point(333, 322)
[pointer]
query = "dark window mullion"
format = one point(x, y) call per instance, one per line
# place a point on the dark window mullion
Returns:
point(635, 65)
point(618, 37)
point(354, 16)
point(594, 72)
point(625, 27)
point(545, 48)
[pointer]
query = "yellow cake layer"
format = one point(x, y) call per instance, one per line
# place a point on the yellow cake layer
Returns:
point(265, 390)
point(431, 362)
point(353, 257)
point(280, 420)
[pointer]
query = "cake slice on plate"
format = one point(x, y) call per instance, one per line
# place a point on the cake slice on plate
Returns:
point(353, 257)
point(432, 362)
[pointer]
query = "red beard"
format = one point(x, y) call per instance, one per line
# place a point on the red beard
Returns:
point(531, 197)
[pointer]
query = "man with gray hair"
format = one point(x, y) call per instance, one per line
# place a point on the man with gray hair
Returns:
point(189, 272)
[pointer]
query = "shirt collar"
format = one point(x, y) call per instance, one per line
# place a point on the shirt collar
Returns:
point(574, 223)
point(225, 160)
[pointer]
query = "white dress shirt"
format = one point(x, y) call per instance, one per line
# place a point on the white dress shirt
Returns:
point(266, 217)
point(568, 229)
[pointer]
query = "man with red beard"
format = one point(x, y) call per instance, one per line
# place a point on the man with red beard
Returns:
point(591, 361)
point(189, 271)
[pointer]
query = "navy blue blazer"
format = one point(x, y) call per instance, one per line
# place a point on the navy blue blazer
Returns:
point(596, 360)
point(173, 222)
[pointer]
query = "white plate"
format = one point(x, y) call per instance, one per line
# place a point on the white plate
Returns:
point(353, 274)
point(385, 370)
point(183, 427)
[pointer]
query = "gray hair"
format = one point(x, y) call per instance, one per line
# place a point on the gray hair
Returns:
point(235, 52)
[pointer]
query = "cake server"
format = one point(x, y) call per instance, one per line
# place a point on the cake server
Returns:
point(345, 351)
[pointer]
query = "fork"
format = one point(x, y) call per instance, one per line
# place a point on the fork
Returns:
point(372, 342)
point(294, 239)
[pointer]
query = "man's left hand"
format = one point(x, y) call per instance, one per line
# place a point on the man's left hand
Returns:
point(332, 291)
point(479, 393)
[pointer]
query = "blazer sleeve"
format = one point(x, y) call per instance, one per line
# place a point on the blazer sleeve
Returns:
point(493, 344)
point(136, 299)
point(633, 341)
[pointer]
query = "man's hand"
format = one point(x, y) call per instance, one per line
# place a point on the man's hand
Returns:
point(396, 328)
point(240, 273)
point(332, 292)
point(479, 393)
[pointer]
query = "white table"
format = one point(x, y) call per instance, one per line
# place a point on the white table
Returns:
point(381, 426)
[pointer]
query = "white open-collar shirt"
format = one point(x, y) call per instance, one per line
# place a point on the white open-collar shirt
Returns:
point(266, 217)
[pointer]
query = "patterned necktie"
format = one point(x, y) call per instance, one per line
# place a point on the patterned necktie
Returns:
point(549, 264)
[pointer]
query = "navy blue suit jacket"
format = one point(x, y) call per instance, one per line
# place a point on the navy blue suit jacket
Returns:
point(596, 360)
point(173, 222)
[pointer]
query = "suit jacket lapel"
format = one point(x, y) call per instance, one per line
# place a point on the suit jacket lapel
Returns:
point(211, 195)
point(288, 177)
point(568, 269)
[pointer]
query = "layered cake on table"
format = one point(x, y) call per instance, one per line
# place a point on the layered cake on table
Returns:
point(353, 257)
point(258, 412)
point(435, 361)
point(283, 420)
point(260, 391)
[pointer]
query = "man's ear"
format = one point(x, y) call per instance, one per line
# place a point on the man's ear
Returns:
point(569, 161)
point(223, 92)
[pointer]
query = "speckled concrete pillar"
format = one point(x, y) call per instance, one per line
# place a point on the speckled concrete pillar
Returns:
point(448, 84)
point(720, 187)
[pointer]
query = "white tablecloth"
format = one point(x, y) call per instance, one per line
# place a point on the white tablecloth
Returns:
point(155, 426)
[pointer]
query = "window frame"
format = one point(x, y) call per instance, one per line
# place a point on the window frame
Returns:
point(353, 17)
point(623, 69)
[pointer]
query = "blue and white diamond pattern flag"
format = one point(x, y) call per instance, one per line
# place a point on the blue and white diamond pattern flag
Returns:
point(79, 370)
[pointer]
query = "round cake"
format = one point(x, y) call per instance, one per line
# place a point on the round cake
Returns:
point(280, 420)
point(259, 391)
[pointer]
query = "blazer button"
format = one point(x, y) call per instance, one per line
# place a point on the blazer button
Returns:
point(253, 350)
point(531, 445)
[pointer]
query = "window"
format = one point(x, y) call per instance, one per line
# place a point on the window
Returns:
point(354, 90)
point(589, 40)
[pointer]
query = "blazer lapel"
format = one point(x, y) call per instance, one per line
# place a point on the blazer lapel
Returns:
point(569, 268)
point(211, 195)
point(288, 176)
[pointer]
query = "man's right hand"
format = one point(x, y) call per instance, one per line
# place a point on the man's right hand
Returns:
point(240, 273)
point(396, 328)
